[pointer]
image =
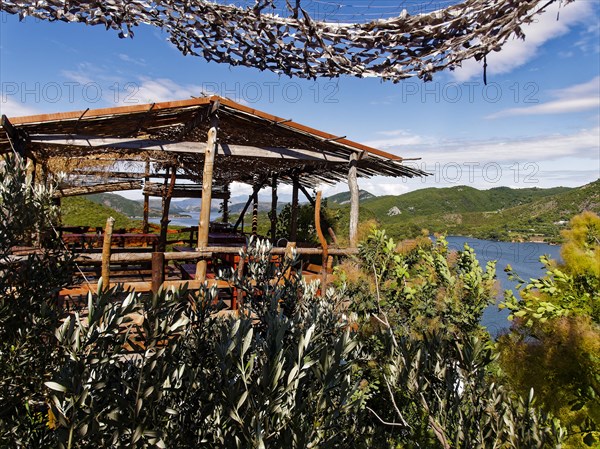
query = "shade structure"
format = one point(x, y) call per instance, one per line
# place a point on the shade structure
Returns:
point(252, 145)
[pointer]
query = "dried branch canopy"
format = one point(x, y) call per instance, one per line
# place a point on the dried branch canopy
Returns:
point(392, 49)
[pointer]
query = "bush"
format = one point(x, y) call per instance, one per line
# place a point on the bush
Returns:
point(427, 366)
point(28, 310)
point(554, 343)
point(392, 357)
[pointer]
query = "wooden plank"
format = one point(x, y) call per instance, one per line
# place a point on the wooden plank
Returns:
point(95, 258)
point(182, 191)
point(98, 188)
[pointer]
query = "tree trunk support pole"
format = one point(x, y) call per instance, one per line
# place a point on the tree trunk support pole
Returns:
point(146, 199)
point(158, 271)
point(108, 231)
point(274, 208)
point(294, 217)
point(225, 217)
point(164, 221)
point(207, 181)
point(322, 240)
point(255, 215)
point(354, 199)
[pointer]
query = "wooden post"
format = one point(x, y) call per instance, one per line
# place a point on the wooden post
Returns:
point(207, 180)
point(354, 198)
point(294, 217)
point(146, 199)
point(106, 252)
point(158, 271)
point(225, 218)
point(322, 239)
point(273, 208)
point(287, 259)
point(255, 215)
point(164, 221)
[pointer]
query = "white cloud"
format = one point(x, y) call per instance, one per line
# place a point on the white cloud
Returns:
point(127, 58)
point(12, 108)
point(81, 74)
point(580, 97)
point(395, 138)
point(149, 90)
point(582, 143)
point(517, 52)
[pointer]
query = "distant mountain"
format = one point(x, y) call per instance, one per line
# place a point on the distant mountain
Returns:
point(455, 200)
point(499, 213)
point(344, 197)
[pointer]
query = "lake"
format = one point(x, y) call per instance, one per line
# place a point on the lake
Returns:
point(524, 259)
point(186, 221)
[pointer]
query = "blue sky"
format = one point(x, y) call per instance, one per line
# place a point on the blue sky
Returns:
point(537, 123)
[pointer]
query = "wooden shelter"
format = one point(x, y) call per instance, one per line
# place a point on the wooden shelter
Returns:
point(209, 142)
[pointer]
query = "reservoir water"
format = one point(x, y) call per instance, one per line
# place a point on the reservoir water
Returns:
point(524, 259)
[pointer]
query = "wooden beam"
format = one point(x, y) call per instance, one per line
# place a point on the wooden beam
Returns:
point(207, 182)
point(308, 196)
point(96, 258)
point(354, 201)
point(182, 191)
point(16, 137)
point(98, 188)
point(224, 150)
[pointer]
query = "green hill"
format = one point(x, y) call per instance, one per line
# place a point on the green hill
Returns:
point(457, 199)
point(81, 211)
point(499, 213)
point(130, 208)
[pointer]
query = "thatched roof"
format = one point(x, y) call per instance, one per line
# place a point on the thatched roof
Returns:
point(253, 145)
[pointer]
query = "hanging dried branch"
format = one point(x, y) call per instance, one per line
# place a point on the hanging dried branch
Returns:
point(392, 49)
